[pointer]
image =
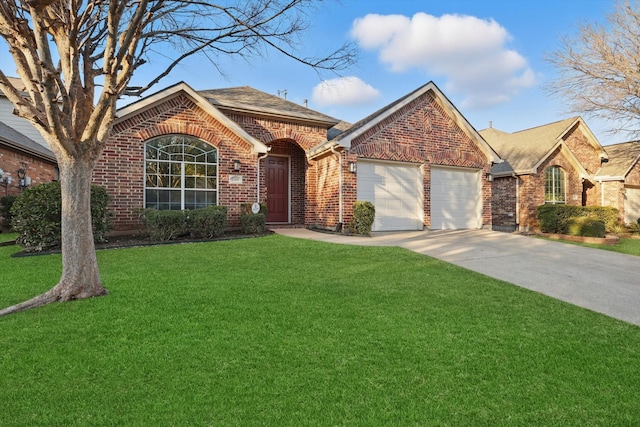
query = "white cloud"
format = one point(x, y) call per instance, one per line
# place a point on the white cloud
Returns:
point(344, 91)
point(469, 52)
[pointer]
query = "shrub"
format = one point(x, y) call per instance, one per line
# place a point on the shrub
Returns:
point(253, 223)
point(363, 215)
point(7, 202)
point(554, 218)
point(208, 222)
point(101, 216)
point(585, 226)
point(166, 224)
point(36, 216)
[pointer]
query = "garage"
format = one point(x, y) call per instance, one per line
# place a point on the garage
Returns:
point(456, 201)
point(631, 204)
point(395, 189)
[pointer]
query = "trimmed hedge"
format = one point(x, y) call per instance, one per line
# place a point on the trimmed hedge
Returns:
point(363, 216)
point(585, 226)
point(555, 218)
point(209, 222)
point(165, 224)
point(253, 223)
point(37, 216)
point(6, 202)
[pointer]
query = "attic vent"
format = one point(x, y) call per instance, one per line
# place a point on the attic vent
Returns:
point(282, 93)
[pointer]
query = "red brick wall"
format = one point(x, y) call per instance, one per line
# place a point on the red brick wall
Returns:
point(292, 139)
point(297, 166)
point(327, 213)
point(121, 167)
point(503, 203)
point(422, 132)
point(586, 153)
point(532, 189)
point(39, 170)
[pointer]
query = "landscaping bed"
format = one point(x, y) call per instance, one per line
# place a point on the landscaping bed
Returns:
point(607, 240)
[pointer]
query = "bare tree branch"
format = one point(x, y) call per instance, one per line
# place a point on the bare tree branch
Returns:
point(599, 69)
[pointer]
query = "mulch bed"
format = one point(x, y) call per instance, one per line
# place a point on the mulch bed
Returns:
point(130, 241)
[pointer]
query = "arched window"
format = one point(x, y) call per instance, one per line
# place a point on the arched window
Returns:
point(554, 188)
point(181, 172)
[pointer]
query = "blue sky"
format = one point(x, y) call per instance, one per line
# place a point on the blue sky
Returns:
point(487, 56)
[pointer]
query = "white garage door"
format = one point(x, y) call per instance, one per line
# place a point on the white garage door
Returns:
point(456, 200)
point(395, 189)
point(631, 205)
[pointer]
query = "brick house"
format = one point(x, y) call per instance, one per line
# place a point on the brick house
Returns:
point(418, 160)
point(25, 158)
point(553, 163)
point(23, 162)
point(619, 180)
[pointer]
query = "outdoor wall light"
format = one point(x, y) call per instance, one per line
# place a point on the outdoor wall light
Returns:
point(353, 167)
point(236, 165)
point(25, 181)
point(489, 176)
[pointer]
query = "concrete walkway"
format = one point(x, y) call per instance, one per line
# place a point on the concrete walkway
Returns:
point(602, 281)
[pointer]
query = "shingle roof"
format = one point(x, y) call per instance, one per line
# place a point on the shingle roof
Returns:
point(344, 138)
point(622, 157)
point(524, 149)
point(11, 137)
point(248, 99)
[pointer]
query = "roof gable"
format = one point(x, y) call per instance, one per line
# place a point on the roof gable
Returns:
point(524, 151)
point(352, 132)
point(184, 89)
point(622, 158)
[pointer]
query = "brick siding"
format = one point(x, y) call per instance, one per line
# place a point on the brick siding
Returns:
point(420, 132)
point(39, 170)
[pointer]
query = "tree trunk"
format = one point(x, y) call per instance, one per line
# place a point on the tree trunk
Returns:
point(80, 276)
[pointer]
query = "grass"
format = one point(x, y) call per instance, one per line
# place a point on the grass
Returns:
point(7, 237)
point(626, 245)
point(283, 332)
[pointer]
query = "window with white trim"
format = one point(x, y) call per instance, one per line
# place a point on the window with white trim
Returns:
point(554, 185)
point(181, 172)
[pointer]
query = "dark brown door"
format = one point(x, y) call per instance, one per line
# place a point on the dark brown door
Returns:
point(277, 172)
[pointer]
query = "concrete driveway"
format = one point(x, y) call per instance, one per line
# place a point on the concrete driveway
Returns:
point(602, 281)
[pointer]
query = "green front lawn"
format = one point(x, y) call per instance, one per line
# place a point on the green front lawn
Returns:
point(276, 331)
point(625, 246)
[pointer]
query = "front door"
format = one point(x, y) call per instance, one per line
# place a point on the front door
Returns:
point(277, 177)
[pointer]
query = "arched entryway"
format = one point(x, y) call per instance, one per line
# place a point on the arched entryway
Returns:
point(284, 182)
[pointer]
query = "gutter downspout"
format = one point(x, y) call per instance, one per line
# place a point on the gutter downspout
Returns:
point(258, 179)
point(339, 225)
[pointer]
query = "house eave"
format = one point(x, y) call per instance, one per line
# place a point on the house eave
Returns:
point(278, 116)
point(23, 149)
point(182, 88)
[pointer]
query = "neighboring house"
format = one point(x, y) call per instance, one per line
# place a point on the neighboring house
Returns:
point(23, 162)
point(619, 180)
point(24, 157)
point(418, 160)
point(21, 125)
point(554, 163)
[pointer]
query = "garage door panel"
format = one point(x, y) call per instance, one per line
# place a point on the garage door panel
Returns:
point(396, 192)
point(455, 198)
point(631, 205)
